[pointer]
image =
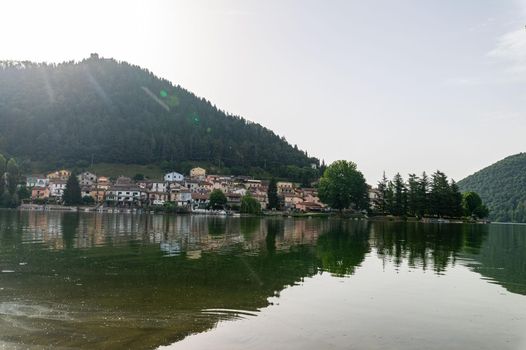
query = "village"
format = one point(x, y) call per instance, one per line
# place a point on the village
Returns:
point(189, 193)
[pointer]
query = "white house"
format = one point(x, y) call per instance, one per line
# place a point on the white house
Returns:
point(36, 181)
point(87, 179)
point(125, 195)
point(173, 176)
point(57, 187)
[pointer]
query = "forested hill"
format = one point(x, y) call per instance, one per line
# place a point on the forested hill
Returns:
point(502, 186)
point(114, 112)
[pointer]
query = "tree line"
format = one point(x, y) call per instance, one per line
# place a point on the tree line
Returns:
point(435, 196)
point(342, 186)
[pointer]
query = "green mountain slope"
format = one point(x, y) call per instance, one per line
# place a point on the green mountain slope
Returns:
point(502, 186)
point(106, 111)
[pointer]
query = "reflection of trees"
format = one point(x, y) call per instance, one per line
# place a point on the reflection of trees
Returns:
point(343, 247)
point(249, 225)
point(275, 227)
point(70, 224)
point(432, 246)
point(127, 274)
point(217, 226)
point(133, 287)
point(502, 257)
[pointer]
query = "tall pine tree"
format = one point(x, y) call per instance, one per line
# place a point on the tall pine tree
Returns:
point(272, 194)
point(72, 194)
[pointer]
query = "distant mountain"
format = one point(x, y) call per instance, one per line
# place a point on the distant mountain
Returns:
point(502, 186)
point(105, 111)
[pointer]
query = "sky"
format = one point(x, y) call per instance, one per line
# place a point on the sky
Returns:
point(396, 86)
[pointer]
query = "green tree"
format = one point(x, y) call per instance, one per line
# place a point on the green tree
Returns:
point(473, 206)
point(3, 169)
point(439, 196)
point(218, 199)
point(72, 194)
point(12, 176)
point(272, 193)
point(23, 192)
point(400, 196)
point(342, 185)
point(390, 198)
point(380, 200)
point(413, 198)
point(455, 200)
point(249, 205)
point(470, 202)
point(423, 195)
point(88, 200)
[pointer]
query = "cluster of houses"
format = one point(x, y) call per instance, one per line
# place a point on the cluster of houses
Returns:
point(191, 191)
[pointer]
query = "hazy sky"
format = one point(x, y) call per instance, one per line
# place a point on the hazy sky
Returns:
point(392, 85)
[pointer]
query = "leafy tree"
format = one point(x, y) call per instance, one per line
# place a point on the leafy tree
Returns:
point(342, 185)
point(473, 206)
point(72, 194)
point(482, 212)
point(218, 199)
point(249, 205)
point(272, 194)
point(470, 201)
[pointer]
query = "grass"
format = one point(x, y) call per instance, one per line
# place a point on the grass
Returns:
point(151, 171)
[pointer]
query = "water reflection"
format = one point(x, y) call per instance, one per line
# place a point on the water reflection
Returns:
point(113, 281)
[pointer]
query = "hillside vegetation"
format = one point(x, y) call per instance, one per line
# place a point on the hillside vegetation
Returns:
point(103, 111)
point(502, 186)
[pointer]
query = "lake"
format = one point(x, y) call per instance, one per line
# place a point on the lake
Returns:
point(125, 281)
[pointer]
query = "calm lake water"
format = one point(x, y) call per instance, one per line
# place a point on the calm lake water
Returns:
point(123, 281)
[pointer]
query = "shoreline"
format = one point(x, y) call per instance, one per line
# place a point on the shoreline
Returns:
point(222, 213)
